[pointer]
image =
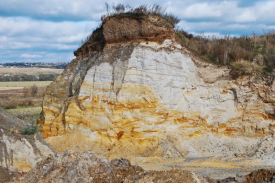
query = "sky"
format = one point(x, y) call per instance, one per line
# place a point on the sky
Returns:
point(50, 30)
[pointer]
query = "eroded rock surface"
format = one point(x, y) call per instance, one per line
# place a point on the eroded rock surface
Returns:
point(18, 152)
point(138, 97)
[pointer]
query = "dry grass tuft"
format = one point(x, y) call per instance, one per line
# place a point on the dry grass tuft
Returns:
point(228, 50)
point(243, 67)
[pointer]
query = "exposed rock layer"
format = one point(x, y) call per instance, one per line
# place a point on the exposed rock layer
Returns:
point(142, 97)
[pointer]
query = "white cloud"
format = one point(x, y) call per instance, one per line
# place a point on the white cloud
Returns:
point(22, 33)
point(236, 26)
point(72, 38)
point(3, 38)
point(60, 10)
point(199, 26)
point(247, 15)
point(54, 9)
point(202, 10)
point(265, 11)
point(224, 11)
point(26, 55)
point(26, 36)
point(57, 27)
point(13, 26)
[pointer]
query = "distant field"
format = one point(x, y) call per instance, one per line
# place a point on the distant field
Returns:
point(20, 84)
point(26, 110)
point(30, 71)
point(9, 88)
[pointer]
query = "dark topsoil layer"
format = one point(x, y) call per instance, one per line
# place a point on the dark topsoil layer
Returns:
point(125, 29)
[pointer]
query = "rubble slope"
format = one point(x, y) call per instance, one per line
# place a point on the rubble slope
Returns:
point(86, 167)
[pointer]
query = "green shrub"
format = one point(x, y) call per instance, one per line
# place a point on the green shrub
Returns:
point(29, 129)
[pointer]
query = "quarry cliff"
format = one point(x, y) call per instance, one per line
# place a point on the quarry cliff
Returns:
point(134, 91)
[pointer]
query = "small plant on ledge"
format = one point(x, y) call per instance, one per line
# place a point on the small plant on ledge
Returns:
point(29, 129)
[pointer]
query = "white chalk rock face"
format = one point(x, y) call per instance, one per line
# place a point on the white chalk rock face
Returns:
point(22, 152)
point(152, 99)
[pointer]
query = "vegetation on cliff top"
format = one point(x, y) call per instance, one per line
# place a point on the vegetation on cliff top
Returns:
point(139, 12)
point(246, 55)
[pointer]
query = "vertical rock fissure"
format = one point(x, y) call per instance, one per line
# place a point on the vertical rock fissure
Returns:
point(83, 66)
point(5, 157)
point(235, 96)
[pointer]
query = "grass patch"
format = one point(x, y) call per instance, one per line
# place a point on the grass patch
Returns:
point(28, 114)
point(25, 110)
point(29, 129)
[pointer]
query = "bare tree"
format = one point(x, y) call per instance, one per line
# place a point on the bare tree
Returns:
point(34, 90)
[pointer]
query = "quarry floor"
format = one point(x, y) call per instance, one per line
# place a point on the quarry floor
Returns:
point(206, 166)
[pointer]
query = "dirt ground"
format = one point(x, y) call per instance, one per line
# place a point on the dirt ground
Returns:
point(6, 175)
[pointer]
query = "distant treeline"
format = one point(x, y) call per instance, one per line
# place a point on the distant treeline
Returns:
point(24, 77)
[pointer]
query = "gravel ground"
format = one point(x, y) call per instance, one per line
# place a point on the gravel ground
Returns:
point(6, 175)
point(86, 167)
